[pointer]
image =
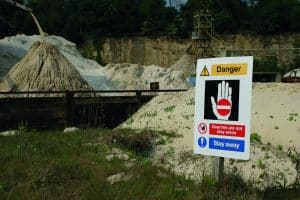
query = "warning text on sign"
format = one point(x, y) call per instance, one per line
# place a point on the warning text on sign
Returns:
point(227, 130)
point(229, 69)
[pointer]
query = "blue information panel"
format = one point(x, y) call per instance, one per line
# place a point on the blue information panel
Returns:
point(227, 144)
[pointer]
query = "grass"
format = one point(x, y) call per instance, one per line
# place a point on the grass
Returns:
point(54, 165)
point(279, 147)
point(254, 137)
point(149, 114)
point(191, 102)
point(170, 108)
point(261, 165)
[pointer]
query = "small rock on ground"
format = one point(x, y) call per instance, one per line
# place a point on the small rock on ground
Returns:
point(8, 133)
point(121, 156)
point(71, 129)
point(118, 177)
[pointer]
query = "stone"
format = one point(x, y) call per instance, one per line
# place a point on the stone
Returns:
point(8, 133)
point(128, 164)
point(121, 156)
point(71, 129)
point(118, 177)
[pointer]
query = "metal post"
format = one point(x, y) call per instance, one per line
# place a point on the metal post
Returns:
point(139, 97)
point(219, 169)
point(70, 107)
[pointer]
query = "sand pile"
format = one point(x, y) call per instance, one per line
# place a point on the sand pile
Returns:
point(185, 63)
point(273, 106)
point(111, 77)
point(134, 76)
point(276, 113)
point(43, 68)
point(13, 49)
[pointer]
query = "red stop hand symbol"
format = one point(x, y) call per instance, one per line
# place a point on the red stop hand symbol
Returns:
point(222, 109)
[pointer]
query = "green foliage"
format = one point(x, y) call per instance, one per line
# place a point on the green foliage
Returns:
point(209, 181)
point(296, 63)
point(170, 108)
point(187, 116)
point(296, 43)
point(267, 155)
point(141, 142)
point(255, 137)
point(261, 165)
point(149, 114)
point(190, 102)
point(279, 147)
point(73, 166)
point(275, 16)
point(268, 64)
point(22, 128)
point(294, 155)
point(79, 20)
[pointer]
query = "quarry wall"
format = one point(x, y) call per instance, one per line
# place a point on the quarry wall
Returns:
point(165, 51)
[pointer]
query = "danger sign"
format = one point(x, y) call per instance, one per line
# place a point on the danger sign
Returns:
point(222, 107)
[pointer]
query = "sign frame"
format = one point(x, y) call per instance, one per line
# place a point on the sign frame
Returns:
point(223, 104)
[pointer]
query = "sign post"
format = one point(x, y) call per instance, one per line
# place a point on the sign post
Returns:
point(223, 109)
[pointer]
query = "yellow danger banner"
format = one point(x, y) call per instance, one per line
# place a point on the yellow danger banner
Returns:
point(229, 69)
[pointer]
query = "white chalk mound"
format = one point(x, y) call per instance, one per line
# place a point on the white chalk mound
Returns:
point(275, 117)
point(134, 76)
point(111, 77)
point(185, 63)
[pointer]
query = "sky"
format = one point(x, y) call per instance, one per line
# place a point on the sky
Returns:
point(176, 3)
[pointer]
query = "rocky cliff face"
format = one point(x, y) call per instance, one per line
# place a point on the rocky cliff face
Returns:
point(142, 50)
point(165, 52)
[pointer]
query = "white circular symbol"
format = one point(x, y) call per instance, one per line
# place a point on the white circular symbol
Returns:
point(202, 128)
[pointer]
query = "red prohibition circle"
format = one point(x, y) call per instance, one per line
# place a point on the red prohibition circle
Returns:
point(224, 107)
point(202, 128)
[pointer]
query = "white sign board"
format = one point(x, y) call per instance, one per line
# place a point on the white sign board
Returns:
point(223, 107)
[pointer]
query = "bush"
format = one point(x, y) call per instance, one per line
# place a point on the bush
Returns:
point(141, 143)
point(255, 137)
point(268, 64)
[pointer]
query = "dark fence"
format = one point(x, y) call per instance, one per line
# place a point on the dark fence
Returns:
point(59, 109)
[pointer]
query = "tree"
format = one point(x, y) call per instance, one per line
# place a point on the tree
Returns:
point(13, 19)
point(276, 16)
point(155, 16)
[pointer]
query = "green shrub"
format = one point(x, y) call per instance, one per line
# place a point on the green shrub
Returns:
point(141, 142)
point(261, 165)
point(170, 108)
point(268, 64)
point(255, 137)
